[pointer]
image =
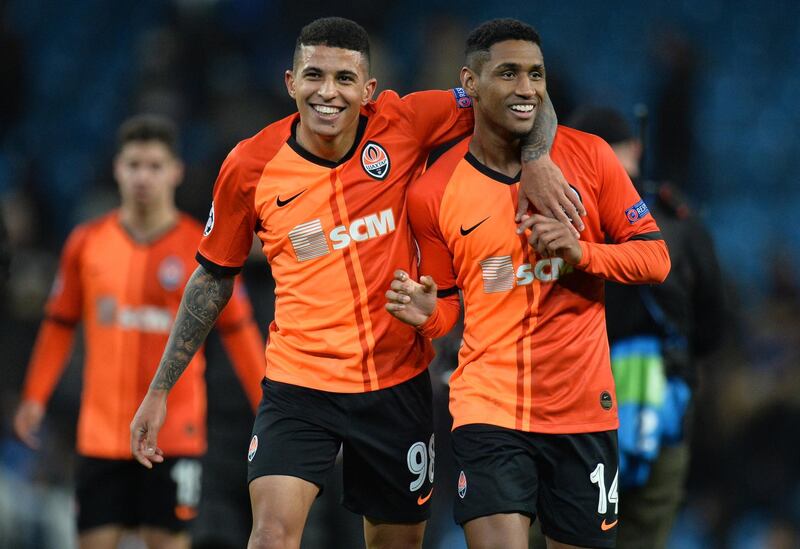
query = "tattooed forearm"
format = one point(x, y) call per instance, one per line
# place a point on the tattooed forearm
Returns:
point(538, 142)
point(203, 299)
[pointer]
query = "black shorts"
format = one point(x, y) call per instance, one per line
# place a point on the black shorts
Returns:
point(386, 437)
point(123, 492)
point(569, 481)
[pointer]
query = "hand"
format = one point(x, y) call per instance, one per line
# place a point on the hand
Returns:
point(543, 185)
point(145, 426)
point(552, 238)
point(410, 301)
point(27, 421)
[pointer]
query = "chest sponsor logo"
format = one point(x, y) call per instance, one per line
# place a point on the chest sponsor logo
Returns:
point(170, 273)
point(375, 160)
point(499, 274)
point(636, 212)
point(309, 240)
point(210, 222)
point(143, 318)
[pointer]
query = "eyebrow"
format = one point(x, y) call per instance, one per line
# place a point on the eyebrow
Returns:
point(344, 72)
point(517, 66)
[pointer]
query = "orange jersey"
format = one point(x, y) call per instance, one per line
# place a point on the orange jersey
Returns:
point(127, 294)
point(535, 354)
point(333, 233)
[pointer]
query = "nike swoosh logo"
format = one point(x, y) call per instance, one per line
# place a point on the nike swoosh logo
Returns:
point(604, 526)
point(282, 203)
point(465, 232)
point(423, 500)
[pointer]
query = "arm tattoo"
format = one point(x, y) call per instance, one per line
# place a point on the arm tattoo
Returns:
point(538, 142)
point(203, 299)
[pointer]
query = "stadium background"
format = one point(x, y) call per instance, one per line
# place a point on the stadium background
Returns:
point(721, 81)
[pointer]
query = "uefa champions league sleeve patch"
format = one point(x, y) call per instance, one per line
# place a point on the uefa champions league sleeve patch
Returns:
point(210, 222)
point(636, 212)
point(463, 100)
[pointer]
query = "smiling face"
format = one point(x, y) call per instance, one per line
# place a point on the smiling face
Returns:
point(508, 87)
point(329, 86)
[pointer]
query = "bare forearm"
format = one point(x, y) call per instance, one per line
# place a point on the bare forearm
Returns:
point(204, 298)
point(539, 141)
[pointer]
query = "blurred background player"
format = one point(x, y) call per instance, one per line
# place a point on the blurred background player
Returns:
point(122, 276)
point(657, 335)
point(533, 404)
point(325, 191)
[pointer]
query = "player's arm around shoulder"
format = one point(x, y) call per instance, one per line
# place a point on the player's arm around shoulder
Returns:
point(204, 297)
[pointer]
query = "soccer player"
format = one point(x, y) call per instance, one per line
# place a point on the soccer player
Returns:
point(532, 399)
point(122, 277)
point(325, 191)
point(657, 334)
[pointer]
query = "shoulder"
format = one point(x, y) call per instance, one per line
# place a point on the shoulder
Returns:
point(436, 178)
point(572, 141)
point(262, 147)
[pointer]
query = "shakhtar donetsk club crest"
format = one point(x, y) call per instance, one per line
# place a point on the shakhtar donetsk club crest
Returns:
point(375, 160)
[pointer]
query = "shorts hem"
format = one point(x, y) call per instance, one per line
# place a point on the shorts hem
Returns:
point(571, 539)
point(318, 483)
point(461, 520)
point(378, 517)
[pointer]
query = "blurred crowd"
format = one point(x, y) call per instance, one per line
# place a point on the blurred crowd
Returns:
point(719, 82)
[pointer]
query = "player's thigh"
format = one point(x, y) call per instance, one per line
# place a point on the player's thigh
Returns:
point(168, 495)
point(383, 535)
point(101, 537)
point(578, 495)
point(158, 538)
point(497, 473)
point(389, 453)
point(498, 531)
point(105, 491)
point(280, 508)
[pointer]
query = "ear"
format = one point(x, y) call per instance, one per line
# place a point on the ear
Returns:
point(369, 91)
point(469, 82)
point(289, 79)
point(180, 169)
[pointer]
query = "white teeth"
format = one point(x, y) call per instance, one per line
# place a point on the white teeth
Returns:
point(522, 108)
point(322, 109)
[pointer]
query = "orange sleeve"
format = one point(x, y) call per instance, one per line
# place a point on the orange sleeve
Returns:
point(228, 234)
point(443, 318)
point(638, 254)
point(243, 342)
point(49, 358)
point(632, 262)
point(63, 311)
point(440, 116)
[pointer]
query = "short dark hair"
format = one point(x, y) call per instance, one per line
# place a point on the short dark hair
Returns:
point(604, 122)
point(148, 127)
point(491, 32)
point(334, 32)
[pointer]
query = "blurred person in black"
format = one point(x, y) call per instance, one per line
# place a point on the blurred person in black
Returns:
point(657, 334)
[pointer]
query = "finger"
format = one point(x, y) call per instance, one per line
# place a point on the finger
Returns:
point(525, 222)
point(522, 207)
point(401, 275)
point(428, 284)
point(396, 297)
point(395, 307)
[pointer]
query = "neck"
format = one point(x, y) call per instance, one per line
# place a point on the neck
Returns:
point(332, 148)
point(144, 224)
point(495, 149)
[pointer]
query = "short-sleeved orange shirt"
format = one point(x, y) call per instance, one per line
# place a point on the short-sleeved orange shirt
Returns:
point(333, 234)
point(126, 294)
point(535, 353)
